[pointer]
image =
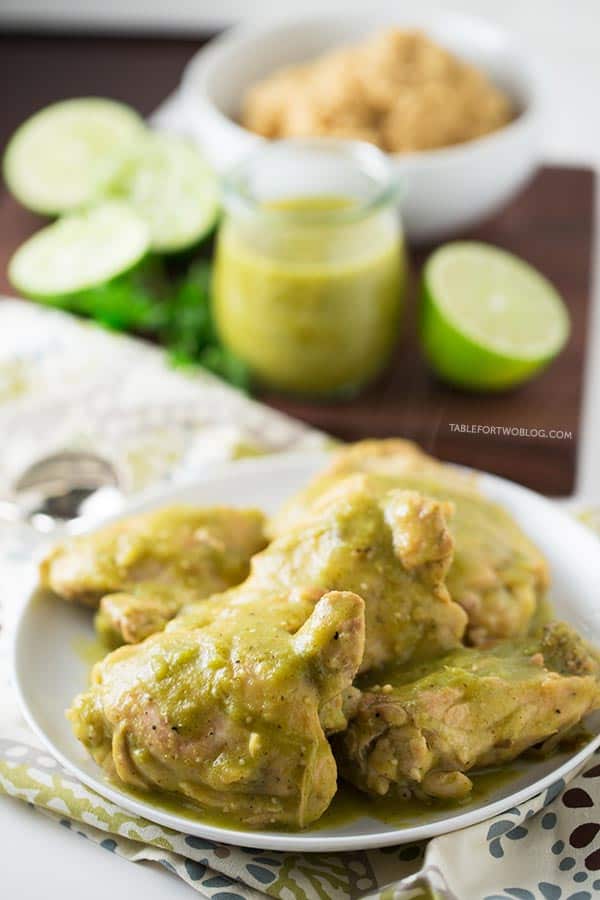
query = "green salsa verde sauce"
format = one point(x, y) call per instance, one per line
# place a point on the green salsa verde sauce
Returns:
point(348, 806)
point(310, 303)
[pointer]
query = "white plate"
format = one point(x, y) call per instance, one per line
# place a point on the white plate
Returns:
point(49, 671)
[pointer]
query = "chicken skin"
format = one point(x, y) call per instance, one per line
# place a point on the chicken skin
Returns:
point(418, 730)
point(142, 569)
point(498, 576)
point(231, 716)
point(392, 548)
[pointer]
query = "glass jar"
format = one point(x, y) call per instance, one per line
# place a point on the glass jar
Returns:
point(310, 269)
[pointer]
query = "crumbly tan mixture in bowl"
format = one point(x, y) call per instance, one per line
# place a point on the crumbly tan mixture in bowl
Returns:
point(398, 90)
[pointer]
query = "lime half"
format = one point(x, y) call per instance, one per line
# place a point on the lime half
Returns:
point(65, 156)
point(79, 252)
point(489, 321)
point(173, 189)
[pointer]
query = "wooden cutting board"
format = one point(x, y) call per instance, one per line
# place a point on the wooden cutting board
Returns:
point(550, 224)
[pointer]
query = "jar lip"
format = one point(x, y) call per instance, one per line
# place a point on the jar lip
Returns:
point(372, 162)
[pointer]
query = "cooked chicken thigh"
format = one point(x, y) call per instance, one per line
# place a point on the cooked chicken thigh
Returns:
point(418, 730)
point(344, 628)
point(231, 716)
point(498, 576)
point(392, 548)
point(230, 705)
point(142, 569)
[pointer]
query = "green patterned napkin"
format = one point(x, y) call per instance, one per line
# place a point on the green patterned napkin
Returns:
point(544, 849)
point(67, 384)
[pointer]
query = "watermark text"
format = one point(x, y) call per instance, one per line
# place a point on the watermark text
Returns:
point(553, 434)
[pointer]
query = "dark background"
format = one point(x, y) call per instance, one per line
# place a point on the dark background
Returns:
point(549, 225)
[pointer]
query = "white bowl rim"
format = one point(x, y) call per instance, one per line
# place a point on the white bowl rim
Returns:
point(200, 68)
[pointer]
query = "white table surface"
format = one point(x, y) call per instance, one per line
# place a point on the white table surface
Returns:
point(38, 859)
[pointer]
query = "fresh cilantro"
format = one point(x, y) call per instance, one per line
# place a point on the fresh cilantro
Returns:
point(173, 309)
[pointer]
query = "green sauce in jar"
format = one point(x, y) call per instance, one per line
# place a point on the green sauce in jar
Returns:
point(308, 291)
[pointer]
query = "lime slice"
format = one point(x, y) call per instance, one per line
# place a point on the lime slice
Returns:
point(79, 252)
point(65, 156)
point(489, 321)
point(172, 187)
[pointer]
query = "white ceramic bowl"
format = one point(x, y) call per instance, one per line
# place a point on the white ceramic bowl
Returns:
point(446, 190)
